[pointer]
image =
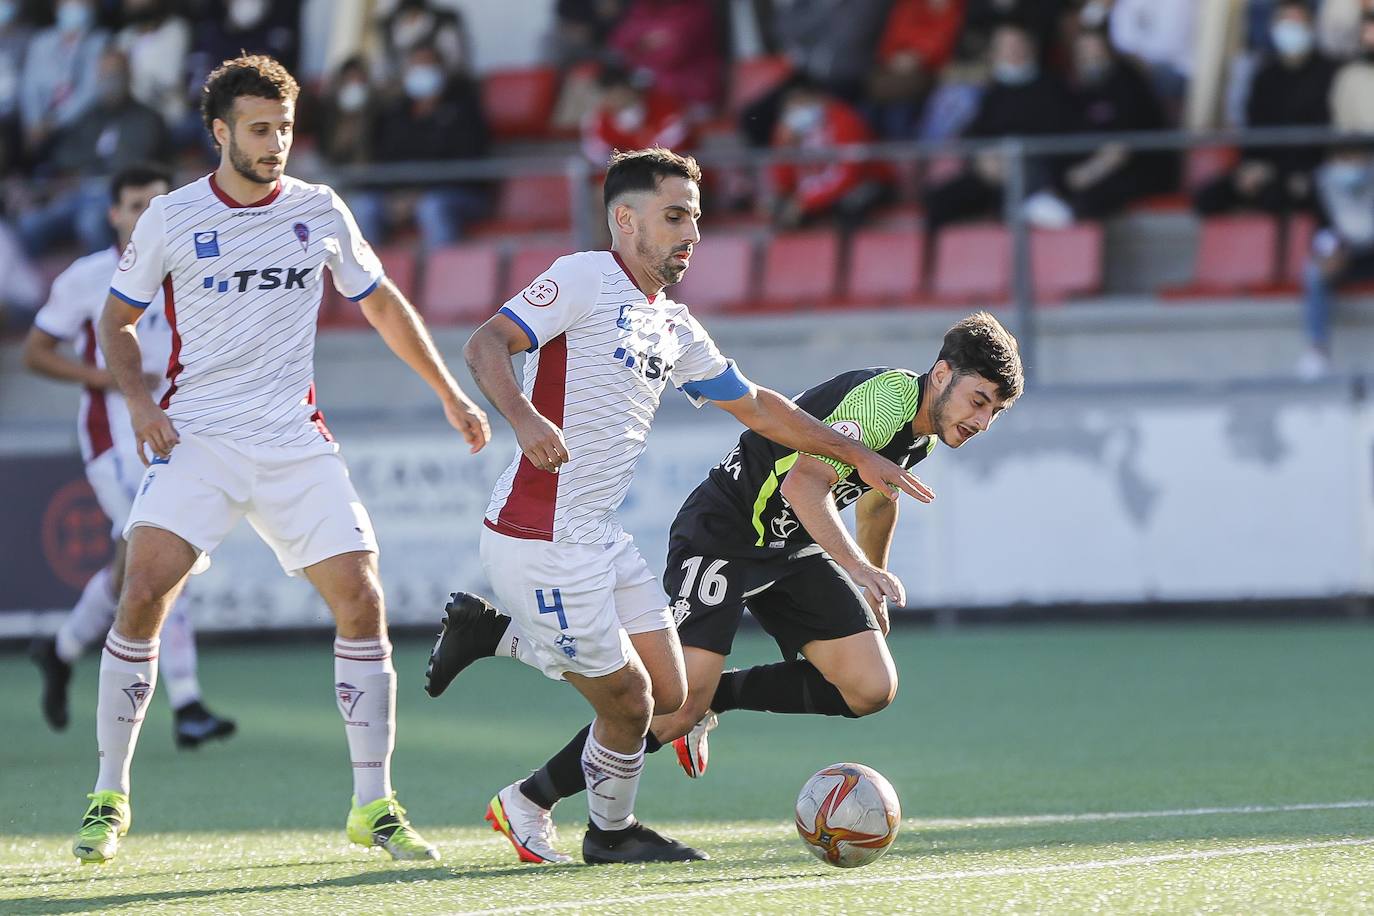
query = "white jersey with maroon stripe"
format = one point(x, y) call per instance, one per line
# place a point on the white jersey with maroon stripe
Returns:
point(72, 313)
point(243, 286)
point(601, 354)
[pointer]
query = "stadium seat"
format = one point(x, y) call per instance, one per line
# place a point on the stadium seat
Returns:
point(528, 203)
point(1203, 163)
point(721, 277)
point(754, 77)
point(519, 103)
point(528, 262)
point(972, 263)
point(462, 284)
point(1297, 245)
point(885, 265)
point(1235, 254)
point(1066, 262)
point(401, 264)
point(800, 268)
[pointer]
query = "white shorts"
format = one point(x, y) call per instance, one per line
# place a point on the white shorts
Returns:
point(577, 604)
point(115, 478)
point(303, 507)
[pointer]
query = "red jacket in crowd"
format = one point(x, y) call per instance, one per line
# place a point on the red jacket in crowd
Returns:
point(927, 28)
point(679, 43)
point(662, 123)
point(818, 185)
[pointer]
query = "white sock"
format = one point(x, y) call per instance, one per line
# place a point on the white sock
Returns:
point(128, 674)
point(612, 781)
point(89, 620)
point(365, 686)
point(179, 659)
point(513, 644)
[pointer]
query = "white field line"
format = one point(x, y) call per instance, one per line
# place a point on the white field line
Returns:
point(1028, 820)
point(750, 889)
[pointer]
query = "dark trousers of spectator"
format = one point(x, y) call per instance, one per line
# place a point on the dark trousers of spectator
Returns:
point(1220, 195)
point(1111, 193)
point(966, 196)
point(1319, 294)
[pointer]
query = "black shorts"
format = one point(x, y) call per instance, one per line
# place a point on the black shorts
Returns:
point(795, 600)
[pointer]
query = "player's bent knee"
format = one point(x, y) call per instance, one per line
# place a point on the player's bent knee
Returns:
point(864, 699)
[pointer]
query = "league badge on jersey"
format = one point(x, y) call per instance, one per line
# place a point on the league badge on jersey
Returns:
point(207, 244)
point(849, 429)
point(542, 293)
point(130, 257)
point(302, 235)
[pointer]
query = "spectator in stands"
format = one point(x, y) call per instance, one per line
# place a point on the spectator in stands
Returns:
point(814, 120)
point(348, 115)
point(628, 118)
point(1352, 90)
point(1021, 100)
point(1112, 95)
point(917, 41)
point(438, 119)
point(1038, 17)
point(832, 43)
point(114, 132)
point(581, 28)
point(156, 43)
point(419, 22)
point(61, 73)
point(1159, 33)
point(15, 34)
point(1291, 87)
point(226, 28)
point(678, 44)
point(1338, 27)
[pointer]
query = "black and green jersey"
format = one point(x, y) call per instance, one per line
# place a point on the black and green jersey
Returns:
point(739, 509)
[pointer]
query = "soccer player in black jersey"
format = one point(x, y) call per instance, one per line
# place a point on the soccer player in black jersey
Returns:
point(763, 531)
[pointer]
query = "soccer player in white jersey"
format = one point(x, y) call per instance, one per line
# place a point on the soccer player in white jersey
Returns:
point(112, 464)
point(240, 256)
point(583, 605)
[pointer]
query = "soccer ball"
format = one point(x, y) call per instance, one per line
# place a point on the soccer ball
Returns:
point(848, 815)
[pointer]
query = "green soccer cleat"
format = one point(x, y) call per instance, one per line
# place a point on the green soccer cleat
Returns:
point(383, 823)
point(106, 820)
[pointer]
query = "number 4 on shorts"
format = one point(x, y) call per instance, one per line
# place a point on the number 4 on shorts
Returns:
point(555, 608)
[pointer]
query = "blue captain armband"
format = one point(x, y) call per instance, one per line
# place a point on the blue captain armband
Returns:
point(730, 385)
point(134, 302)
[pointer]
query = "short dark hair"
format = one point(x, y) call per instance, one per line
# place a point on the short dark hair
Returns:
point(981, 346)
point(643, 169)
point(138, 175)
point(255, 75)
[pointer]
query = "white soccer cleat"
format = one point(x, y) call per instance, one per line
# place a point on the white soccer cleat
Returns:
point(528, 827)
point(693, 749)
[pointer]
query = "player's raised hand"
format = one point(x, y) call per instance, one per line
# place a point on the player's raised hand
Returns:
point(153, 427)
point(541, 442)
point(879, 585)
point(887, 478)
point(469, 419)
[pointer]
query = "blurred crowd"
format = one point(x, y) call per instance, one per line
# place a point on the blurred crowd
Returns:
point(87, 86)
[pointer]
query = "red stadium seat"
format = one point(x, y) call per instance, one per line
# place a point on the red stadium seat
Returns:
point(402, 267)
point(1066, 262)
point(801, 268)
point(721, 276)
point(973, 263)
point(1235, 254)
point(885, 265)
point(462, 284)
point(519, 103)
point(529, 203)
point(754, 77)
point(1297, 246)
point(528, 262)
point(1204, 163)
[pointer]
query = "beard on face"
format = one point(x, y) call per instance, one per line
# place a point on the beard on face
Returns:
point(667, 270)
point(940, 408)
point(244, 164)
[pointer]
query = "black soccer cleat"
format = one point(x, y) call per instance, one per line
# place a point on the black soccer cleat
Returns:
point(636, 843)
point(471, 629)
point(193, 725)
point(57, 674)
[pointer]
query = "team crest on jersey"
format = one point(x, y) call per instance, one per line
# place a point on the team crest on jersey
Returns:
point(302, 235)
point(567, 644)
point(849, 429)
point(541, 292)
point(207, 244)
point(138, 693)
point(130, 257)
point(682, 609)
point(348, 698)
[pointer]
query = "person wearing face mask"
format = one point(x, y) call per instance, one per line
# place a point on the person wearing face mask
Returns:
point(628, 117)
point(1292, 87)
point(61, 73)
point(418, 22)
point(156, 42)
point(225, 29)
point(115, 131)
point(437, 118)
point(1020, 100)
point(917, 41)
point(802, 192)
point(348, 115)
point(1113, 95)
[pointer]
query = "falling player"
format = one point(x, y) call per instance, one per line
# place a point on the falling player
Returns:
point(605, 341)
point(240, 256)
point(112, 464)
point(763, 531)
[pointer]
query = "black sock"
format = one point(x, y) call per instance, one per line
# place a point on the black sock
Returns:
point(787, 687)
point(561, 777)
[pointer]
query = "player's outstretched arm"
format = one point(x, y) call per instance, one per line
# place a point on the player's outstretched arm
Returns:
point(807, 491)
point(42, 357)
point(405, 333)
point(119, 342)
point(777, 418)
point(488, 352)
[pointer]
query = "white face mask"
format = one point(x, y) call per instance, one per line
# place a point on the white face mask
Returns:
point(352, 96)
point(1291, 39)
point(1347, 175)
point(423, 81)
point(73, 17)
point(1015, 74)
point(244, 14)
point(802, 119)
point(630, 119)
